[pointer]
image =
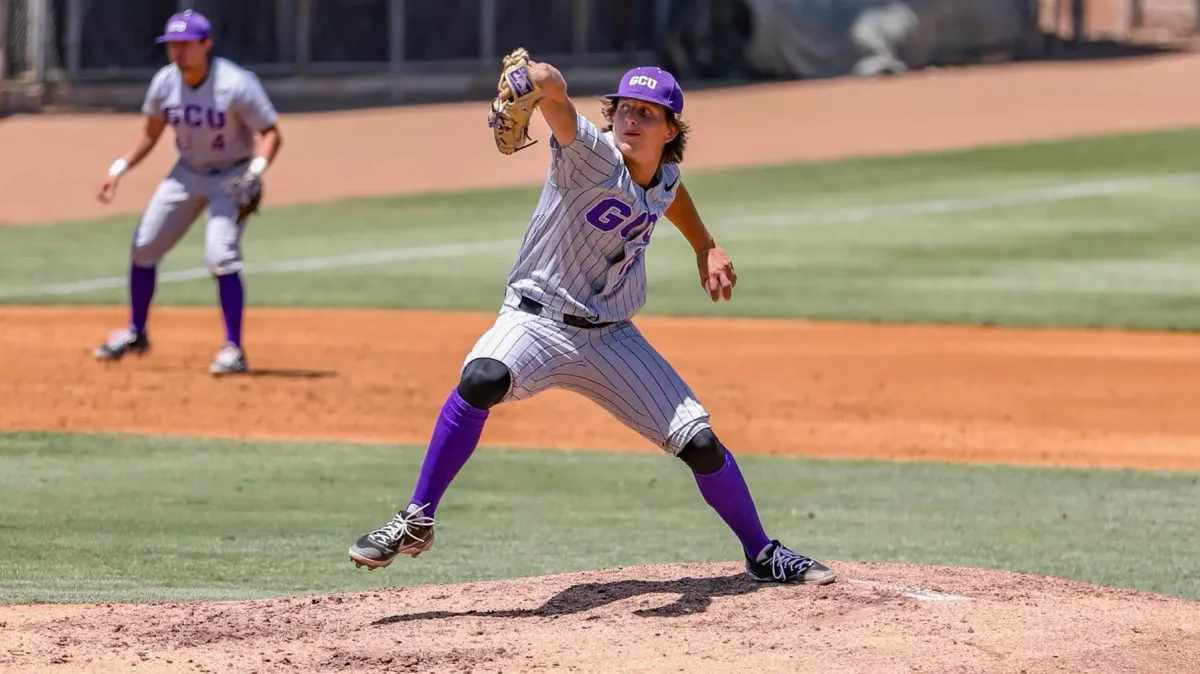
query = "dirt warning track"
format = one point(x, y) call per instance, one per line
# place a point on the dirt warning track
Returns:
point(342, 155)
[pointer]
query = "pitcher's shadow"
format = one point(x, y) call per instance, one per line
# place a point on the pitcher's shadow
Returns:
point(695, 596)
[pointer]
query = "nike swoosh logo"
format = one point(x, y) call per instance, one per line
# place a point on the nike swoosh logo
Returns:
point(670, 187)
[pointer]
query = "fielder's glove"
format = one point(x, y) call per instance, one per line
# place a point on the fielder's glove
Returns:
point(245, 191)
point(510, 115)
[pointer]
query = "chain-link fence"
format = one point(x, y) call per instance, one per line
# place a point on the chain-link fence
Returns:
point(1080, 20)
point(113, 40)
point(4, 42)
point(29, 47)
point(83, 40)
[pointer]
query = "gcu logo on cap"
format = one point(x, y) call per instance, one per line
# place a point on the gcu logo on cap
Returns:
point(177, 27)
point(643, 80)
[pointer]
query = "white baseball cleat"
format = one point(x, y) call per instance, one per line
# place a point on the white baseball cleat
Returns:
point(121, 342)
point(230, 360)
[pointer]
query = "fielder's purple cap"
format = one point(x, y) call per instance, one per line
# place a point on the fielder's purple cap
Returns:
point(653, 85)
point(186, 26)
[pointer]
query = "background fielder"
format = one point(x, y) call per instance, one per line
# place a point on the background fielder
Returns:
point(217, 110)
point(578, 279)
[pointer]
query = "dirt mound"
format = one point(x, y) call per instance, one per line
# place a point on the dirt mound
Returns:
point(1047, 397)
point(877, 618)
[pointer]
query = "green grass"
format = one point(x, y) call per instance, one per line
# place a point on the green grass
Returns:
point(127, 518)
point(901, 239)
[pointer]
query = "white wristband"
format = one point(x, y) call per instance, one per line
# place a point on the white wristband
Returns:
point(118, 167)
point(259, 165)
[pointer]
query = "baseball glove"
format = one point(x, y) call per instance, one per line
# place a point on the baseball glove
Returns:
point(511, 112)
point(245, 191)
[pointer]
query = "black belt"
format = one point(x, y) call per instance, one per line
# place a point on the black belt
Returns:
point(215, 171)
point(534, 307)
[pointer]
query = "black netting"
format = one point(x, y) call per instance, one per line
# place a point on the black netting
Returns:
point(350, 31)
point(246, 31)
point(441, 30)
point(120, 33)
point(617, 25)
point(541, 27)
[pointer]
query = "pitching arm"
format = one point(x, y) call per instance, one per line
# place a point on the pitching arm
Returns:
point(557, 108)
point(716, 269)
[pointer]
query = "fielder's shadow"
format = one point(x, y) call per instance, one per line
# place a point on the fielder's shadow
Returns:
point(282, 373)
point(695, 595)
point(292, 374)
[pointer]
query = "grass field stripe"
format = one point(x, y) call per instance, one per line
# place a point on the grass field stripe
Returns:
point(379, 257)
point(282, 267)
point(1063, 192)
point(1083, 190)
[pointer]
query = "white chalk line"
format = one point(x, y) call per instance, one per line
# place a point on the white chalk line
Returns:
point(282, 267)
point(1066, 192)
point(918, 593)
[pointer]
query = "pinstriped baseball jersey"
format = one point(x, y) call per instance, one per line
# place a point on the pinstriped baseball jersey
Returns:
point(584, 251)
point(583, 255)
point(215, 123)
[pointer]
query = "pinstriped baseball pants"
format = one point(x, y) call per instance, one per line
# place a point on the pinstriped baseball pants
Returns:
point(615, 366)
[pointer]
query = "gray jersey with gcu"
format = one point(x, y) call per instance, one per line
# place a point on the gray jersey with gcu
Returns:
point(215, 123)
point(584, 251)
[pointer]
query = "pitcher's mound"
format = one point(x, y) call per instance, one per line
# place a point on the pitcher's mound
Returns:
point(669, 618)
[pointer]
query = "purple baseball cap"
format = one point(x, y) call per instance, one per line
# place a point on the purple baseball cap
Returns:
point(653, 85)
point(186, 26)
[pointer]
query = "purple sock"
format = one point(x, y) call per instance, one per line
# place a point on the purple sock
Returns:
point(233, 301)
point(727, 493)
point(454, 438)
point(141, 292)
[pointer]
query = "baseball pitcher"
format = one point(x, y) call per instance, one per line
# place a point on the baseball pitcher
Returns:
point(578, 280)
point(218, 111)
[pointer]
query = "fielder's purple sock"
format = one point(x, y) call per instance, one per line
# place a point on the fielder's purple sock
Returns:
point(233, 301)
point(727, 493)
point(141, 292)
point(454, 438)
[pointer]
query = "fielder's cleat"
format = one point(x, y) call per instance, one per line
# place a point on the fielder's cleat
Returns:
point(777, 564)
point(409, 533)
point(230, 360)
point(121, 342)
